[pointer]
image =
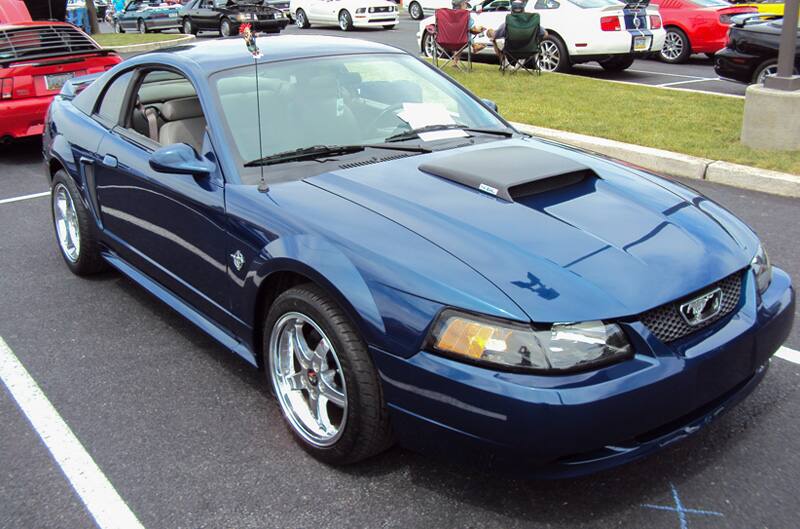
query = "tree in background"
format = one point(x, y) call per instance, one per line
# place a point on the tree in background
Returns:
point(91, 12)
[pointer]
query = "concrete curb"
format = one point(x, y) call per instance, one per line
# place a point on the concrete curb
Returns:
point(150, 46)
point(675, 164)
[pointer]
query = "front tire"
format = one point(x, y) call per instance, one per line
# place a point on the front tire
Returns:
point(617, 64)
point(415, 11)
point(323, 378)
point(76, 233)
point(553, 55)
point(301, 20)
point(142, 26)
point(345, 20)
point(677, 48)
point(225, 28)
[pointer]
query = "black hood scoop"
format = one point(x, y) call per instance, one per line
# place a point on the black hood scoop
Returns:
point(510, 173)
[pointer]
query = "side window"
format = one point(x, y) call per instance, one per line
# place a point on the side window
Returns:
point(166, 110)
point(546, 4)
point(111, 102)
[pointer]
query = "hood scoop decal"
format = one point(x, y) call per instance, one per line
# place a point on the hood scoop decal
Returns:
point(509, 173)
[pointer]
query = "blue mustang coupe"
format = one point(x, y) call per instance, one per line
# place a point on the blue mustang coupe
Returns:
point(404, 264)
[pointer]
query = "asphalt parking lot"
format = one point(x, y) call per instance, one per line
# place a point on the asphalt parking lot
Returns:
point(697, 74)
point(188, 436)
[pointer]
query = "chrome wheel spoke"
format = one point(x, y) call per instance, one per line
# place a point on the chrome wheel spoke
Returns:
point(300, 348)
point(327, 387)
point(296, 382)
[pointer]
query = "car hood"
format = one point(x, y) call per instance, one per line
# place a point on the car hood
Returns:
point(611, 246)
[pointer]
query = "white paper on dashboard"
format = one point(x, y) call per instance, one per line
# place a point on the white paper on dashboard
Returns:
point(442, 134)
point(419, 115)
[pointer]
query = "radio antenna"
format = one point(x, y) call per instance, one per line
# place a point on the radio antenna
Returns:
point(250, 41)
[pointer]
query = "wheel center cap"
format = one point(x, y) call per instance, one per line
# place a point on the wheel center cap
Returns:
point(312, 377)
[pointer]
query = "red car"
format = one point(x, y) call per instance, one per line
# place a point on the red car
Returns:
point(36, 58)
point(695, 26)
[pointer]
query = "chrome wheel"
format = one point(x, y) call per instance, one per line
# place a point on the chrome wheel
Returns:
point(300, 19)
point(142, 27)
point(66, 221)
point(428, 45)
point(308, 379)
point(225, 28)
point(187, 26)
point(118, 27)
point(344, 21)
point(415, 11)
point(673, 46)
point(549, 56)
point(772, 69)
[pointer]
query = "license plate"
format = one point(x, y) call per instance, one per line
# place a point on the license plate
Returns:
point(641, 43)
point(56, 81)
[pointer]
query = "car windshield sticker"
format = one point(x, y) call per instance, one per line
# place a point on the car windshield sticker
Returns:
point(419, 115)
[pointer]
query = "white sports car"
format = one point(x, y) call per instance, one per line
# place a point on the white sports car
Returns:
point(607, 31)
point(347, 14)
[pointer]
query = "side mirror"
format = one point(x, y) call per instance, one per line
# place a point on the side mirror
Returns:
point(181, 159)
point(478, 8)
point(490, 104)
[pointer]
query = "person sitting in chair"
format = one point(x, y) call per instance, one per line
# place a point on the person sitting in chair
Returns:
point(498, 36)
point(474, 29)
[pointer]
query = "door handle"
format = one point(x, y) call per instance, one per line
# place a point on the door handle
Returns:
point(109, 161)
point(84, 160)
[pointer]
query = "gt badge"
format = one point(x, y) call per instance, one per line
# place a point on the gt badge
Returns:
point(702, 308)
point(238, 259)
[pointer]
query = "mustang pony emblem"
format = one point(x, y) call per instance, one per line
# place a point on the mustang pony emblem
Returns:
point(238, 259)
point(702, 308)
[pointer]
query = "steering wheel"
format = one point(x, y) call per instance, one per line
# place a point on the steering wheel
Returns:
point(385, 112)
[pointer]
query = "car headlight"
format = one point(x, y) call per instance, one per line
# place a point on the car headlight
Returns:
point(361, 10)
point(504, 344)
point(762, 269)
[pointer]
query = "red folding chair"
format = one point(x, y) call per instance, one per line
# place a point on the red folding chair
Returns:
point(452, 36)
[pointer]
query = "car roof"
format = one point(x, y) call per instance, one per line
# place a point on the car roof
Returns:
point(221, 54)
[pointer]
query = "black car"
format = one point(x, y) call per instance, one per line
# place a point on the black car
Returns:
point(226, 16)
point(283, 5)
point(752, 50)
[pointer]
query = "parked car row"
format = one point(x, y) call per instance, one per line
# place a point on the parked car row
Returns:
point(606, 31)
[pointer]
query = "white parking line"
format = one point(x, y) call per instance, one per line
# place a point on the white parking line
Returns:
point(24, 197)
point(788, 354)
point(664, 73)
point(102, 501)
point(701, 80)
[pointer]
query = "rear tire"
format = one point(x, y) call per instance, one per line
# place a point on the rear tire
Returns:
point(76, 233)
point(301, 20)
point(617, 64)
point(118, 27)
point(553, 55)
point(415, 11)
point(428, 44)
point(336, 433)
point(188, 26)
point(677, 47)
point(766, 69)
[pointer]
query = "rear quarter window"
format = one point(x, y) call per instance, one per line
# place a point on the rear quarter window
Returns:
point(112, 99)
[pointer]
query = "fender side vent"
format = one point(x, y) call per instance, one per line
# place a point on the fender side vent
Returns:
point(510, 173)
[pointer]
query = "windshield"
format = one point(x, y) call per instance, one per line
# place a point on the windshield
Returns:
point(590, 4)
point(345, 100)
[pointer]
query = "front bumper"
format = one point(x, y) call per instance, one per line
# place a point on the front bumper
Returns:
point(23, 117)
point(369, 20)
point(273, 25)
point(560, 426)
point(734, 65)
point(616, 43)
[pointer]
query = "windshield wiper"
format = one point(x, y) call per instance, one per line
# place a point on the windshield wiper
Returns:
point(414, 133)
point(320, 151)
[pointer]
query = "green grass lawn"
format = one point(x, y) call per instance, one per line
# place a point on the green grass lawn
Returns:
point(109, 40)
point(690, 123)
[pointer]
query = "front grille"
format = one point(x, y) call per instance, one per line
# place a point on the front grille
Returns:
point(36, 42)
point(383, 9)
point(667, 324)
